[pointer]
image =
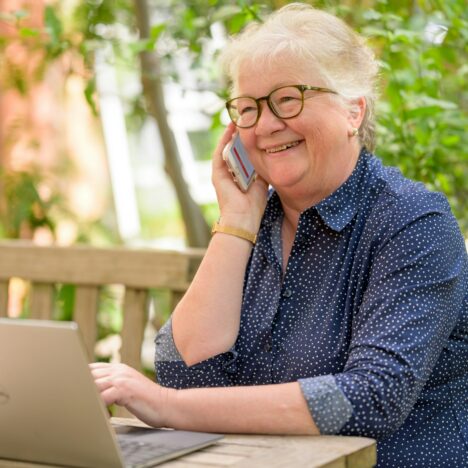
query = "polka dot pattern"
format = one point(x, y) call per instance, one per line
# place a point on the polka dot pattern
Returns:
point(371, 317)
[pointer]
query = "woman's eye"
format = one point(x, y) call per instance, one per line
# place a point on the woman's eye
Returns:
point(246, 110)
point(287, 99)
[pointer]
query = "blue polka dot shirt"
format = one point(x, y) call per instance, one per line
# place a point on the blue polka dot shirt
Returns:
point(370, 317)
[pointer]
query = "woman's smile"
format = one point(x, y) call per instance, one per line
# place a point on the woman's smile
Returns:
point(281, 148)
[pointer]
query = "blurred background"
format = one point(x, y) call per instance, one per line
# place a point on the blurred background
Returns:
point(110, 109)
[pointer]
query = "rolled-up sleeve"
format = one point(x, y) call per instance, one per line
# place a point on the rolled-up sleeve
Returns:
point(171, 370)
point(408, 311)
point(327, 403)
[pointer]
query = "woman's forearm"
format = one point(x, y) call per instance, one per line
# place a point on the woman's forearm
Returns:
point(206, 321)
point(265, 409)
point(261, 409)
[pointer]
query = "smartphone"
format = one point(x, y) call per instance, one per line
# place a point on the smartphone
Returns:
point(239, 164)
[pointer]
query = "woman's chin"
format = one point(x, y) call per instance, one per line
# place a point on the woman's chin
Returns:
point(284, 179)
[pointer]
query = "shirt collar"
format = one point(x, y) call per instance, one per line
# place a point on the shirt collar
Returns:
point(339, 208)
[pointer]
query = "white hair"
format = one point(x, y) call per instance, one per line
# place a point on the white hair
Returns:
point(318, 41)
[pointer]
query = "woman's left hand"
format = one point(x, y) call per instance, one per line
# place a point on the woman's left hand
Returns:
point(122, 385)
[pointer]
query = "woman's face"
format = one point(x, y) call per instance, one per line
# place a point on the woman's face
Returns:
point(306, 157)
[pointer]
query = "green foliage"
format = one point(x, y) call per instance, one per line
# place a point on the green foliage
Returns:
point(90, 16)
point(422, 115)
point(65, 301)
point(23, 209)
point(110, 317)
point(56, 45)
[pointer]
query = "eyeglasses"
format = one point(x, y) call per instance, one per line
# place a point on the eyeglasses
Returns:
point(285, 102)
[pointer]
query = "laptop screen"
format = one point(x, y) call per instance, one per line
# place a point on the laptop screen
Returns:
point(51, 410)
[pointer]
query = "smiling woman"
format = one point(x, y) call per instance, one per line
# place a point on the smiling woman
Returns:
point(345, 309)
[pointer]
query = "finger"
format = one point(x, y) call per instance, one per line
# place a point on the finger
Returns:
point(99, 365)
point(110, 396)
point(108, 367)
point(101, 372)
point(103, 383)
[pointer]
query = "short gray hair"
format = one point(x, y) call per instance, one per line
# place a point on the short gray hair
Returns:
point(316, 39)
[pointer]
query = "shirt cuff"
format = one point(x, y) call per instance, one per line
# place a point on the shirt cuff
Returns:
point(327, 404)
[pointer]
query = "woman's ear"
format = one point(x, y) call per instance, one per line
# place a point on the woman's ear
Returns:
point(357, 111)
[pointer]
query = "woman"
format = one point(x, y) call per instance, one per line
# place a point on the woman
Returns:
point(349, 314)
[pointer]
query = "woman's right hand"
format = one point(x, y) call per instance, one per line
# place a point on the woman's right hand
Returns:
point(124, 386)
point(239, 209)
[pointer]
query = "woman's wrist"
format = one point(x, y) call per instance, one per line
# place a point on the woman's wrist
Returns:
point(165, 404)
point(234, 231)
point(239, 222)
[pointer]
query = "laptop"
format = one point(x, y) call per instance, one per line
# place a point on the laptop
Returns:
point(51, 411)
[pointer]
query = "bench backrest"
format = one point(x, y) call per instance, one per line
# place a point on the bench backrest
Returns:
point(89, 269)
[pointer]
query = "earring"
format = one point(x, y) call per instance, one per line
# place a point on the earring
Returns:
point(355, 131)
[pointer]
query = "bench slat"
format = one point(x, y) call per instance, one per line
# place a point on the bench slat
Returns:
point(4, 298)
point(96, 266)
point(85, 314)
point(134, 322)
point(42, 297)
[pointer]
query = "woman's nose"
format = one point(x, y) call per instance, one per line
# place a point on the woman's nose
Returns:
point(268, 122)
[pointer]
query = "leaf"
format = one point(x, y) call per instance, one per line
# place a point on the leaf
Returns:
point(372, 15)
point(140, 46)
point(53, 24)
point(406, 36)
point(450, 140)
point(422, 135)
point(443, 182)
point(423, 111)
point(440, 103)
point(156, 31)
point(225, 12)
point(28, 32)
point(374, 31)
point(90, 95)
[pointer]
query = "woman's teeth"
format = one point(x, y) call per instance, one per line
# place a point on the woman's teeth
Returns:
point(282, 147)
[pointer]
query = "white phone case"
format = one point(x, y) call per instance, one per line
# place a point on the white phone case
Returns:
point(239, 164)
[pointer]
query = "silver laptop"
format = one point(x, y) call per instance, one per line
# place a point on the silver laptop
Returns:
point(51, 411)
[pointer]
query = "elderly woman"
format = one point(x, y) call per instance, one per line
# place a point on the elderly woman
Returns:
point(333, 303)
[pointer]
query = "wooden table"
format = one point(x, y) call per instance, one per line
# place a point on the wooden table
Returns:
point(258, 451)
point(282, 451)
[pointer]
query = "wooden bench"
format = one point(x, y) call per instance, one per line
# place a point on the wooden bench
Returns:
point(89, 269)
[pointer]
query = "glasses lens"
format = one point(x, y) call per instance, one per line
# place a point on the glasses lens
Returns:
point(286, 101)
point(243, 111)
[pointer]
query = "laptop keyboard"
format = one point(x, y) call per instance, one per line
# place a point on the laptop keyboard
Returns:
point(138, 452)
point(148, 447)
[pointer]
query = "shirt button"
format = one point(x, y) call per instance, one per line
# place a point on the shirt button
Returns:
point(267, 345)
point(287, 293)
